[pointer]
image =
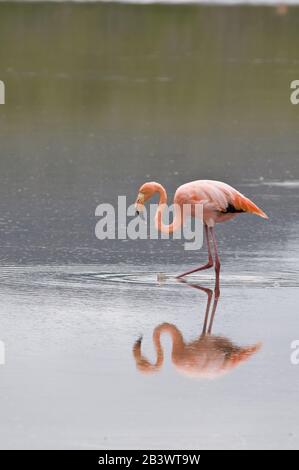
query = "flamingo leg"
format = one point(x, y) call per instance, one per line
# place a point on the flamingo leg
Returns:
point(205, 324)
point(215, 303)
point(217, 259)
point(208, 322)
point(210, 262)
point(217, 286)
point(207, 328)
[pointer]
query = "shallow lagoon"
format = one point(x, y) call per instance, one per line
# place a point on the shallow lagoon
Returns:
point(101, 98)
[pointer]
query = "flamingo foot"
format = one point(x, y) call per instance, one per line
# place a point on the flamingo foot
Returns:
point(209, 265)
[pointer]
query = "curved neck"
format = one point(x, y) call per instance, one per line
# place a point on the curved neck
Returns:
point(177, 218)
point(176, 336)
point(158, 188)
point(142, 362)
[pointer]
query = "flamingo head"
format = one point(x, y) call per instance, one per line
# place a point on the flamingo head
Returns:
point(145, 192)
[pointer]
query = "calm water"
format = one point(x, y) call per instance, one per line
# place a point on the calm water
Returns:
point(100, 98)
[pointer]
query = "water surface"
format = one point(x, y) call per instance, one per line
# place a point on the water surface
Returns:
point(99, 99)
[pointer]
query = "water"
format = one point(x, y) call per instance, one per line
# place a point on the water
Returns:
point(107, 97)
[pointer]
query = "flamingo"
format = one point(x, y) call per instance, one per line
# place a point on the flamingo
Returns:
point(221, 202)
point(208, 356)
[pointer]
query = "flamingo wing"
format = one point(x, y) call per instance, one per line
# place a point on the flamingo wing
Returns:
point(237, 202)
point(223, 197)
point(244, 204)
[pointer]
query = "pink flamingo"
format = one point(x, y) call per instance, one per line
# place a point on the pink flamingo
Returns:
point(221, 202)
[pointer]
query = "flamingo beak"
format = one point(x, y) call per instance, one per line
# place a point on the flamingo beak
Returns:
point(139, 204)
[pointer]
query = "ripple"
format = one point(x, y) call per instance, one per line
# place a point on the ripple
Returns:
point(80, 278)
point(155, 279)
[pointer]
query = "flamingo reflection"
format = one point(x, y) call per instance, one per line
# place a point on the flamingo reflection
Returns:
point(208, 356)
